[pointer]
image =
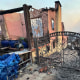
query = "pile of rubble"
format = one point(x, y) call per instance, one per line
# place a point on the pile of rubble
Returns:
point(71, 67)
point(51, 61)
point(45, 72)
point(68, 74)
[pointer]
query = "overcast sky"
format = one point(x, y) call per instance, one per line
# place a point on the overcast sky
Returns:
point(70, 10)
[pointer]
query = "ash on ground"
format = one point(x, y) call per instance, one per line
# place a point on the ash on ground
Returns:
point(70, 69)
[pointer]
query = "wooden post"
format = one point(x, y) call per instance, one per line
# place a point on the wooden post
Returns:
point(28, 24)
point(37, 51)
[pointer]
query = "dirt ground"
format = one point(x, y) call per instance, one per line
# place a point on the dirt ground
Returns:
point(25, 75)
point(57, 73)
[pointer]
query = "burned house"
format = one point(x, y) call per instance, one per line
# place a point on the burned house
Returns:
point(43, 22)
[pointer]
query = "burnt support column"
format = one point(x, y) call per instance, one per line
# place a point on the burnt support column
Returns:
point(27, 24)
point(79, 55)
point(37, 51)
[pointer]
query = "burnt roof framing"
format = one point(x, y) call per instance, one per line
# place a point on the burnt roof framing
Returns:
point(13, 10)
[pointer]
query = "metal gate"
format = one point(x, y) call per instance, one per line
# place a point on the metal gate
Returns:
point(59, 49)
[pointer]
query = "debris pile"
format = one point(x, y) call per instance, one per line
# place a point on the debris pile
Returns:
point(48, 71)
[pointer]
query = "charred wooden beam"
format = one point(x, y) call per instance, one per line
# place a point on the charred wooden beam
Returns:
point(27, 24)
point(37, 51)
point(12, 10)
